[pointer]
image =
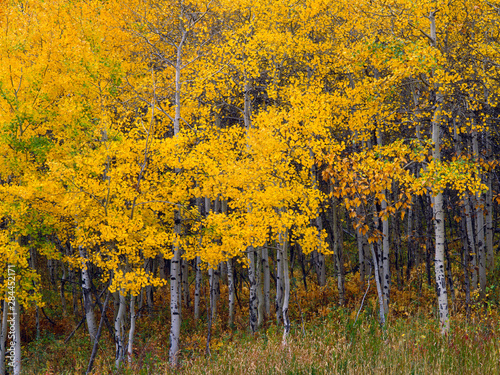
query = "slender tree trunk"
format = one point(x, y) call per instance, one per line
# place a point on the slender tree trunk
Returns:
point(253, 289)
point(131, 332)
point(286, 281)
point(175, 307)
point(15, 319)
point(230, 286)
point(439, 266)
point(379, 286)
point(3, 336)
point(213, 281)
point(386, 276)
point(87, 297)
point(98, 335)
point(279, 285)
point(119, 324)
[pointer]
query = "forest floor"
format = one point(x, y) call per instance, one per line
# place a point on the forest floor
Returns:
point(325, 338)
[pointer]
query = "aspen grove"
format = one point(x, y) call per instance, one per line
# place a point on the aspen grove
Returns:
point(219, 155)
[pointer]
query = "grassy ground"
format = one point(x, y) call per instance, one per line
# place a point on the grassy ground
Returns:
point(331, 345)
point(325, 338)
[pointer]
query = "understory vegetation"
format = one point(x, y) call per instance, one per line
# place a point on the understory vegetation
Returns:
point(325, 338)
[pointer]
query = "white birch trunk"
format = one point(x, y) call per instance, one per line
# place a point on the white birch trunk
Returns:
point(230, 285)
point(286, 297)
point(131, 332)
point(386, 277)
point(212, 273)
point(379, 287)
point(439, 266)
point(175, 308)
point(279, 285)
point(17, 339)
point(87, 298)
point(175, 264)
point(385, 266)
point(119, 324)
point(253, 289)
point(442, 294)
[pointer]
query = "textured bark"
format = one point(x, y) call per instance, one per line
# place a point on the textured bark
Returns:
point(379, 287)
point(279, 286)
point(438, 209)
point(98, 335)
point(439, 265)
point(15, 319)
point(87, 297)
point(119, 332)
point(384, 266)
point(253, 289)
point(230, 286)
point(131, 332)
point(175, 307)
point(386, 277)
point(286, 281)
point(213, 284)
